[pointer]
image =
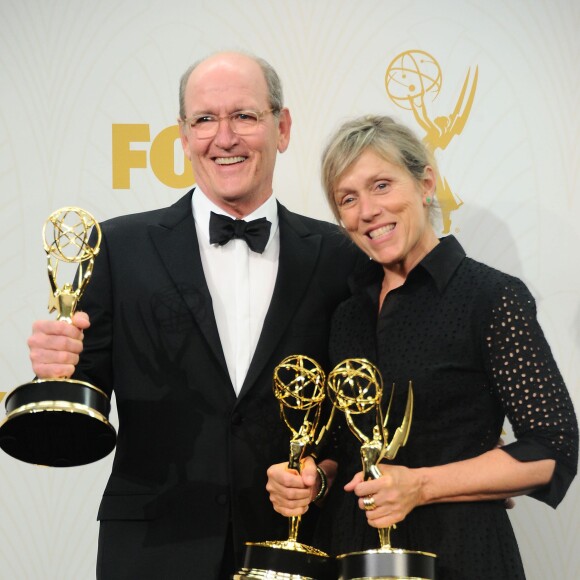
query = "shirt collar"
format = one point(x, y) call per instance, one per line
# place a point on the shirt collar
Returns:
point(202, 206)
point(442, 261)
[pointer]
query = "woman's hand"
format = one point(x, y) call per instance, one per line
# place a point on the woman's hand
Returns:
point(491, 476)
point(394, 494)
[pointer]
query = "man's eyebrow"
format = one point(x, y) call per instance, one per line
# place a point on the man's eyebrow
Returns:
point(201, 112)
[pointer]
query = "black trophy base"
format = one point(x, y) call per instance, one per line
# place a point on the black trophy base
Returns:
point(58, 423)
point(386, 564)
point(285, 561)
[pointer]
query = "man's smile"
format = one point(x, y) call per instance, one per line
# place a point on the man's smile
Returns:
point(229, 160)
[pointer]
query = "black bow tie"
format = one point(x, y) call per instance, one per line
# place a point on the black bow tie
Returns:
point(223, 228)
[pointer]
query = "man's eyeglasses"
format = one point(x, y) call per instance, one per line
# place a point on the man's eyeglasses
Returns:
point(241, 123)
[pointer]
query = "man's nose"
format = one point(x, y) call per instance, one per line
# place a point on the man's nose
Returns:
point(224, 136)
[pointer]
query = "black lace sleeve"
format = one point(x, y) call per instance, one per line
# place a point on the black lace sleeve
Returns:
point(526, 379)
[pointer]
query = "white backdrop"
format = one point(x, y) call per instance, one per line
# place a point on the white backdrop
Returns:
point(72, 71)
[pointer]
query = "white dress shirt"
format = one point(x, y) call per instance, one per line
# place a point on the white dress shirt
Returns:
point(241, 283)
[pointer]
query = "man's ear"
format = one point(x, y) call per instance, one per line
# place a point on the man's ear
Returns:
point(284, 126)
point(183, 138)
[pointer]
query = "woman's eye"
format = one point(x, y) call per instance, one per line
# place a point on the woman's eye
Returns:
point(347, 200)
point(381, 187)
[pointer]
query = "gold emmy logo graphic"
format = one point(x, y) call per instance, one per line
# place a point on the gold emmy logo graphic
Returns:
point(411, 78)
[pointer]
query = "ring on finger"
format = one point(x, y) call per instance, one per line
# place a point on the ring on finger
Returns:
point(369, 503)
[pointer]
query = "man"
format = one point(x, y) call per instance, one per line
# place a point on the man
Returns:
point(187, 333)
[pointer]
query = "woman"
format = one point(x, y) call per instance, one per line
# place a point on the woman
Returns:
point(467, 337)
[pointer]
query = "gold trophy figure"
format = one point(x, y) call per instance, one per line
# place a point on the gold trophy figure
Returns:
point(61, 422)
point(355, 387)
point(299, 386)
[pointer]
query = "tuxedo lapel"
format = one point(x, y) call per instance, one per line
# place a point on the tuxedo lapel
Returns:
point(299, 250)
point(175, 239)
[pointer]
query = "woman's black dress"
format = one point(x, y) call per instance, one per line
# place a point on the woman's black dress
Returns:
point(467, 337)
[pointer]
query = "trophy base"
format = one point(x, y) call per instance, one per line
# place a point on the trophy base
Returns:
point(285, 560)
point(387, 564)
point(58, 423)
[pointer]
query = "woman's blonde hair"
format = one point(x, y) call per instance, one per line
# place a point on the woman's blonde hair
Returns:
point(390, 140)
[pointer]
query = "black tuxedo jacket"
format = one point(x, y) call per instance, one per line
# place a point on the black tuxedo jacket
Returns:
point(191, 457)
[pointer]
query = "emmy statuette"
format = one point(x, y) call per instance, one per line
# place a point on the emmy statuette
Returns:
point(355, 387)
point(61, 422)
point(299, 388)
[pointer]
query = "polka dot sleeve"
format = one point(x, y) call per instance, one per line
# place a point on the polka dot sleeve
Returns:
point(526, 379)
